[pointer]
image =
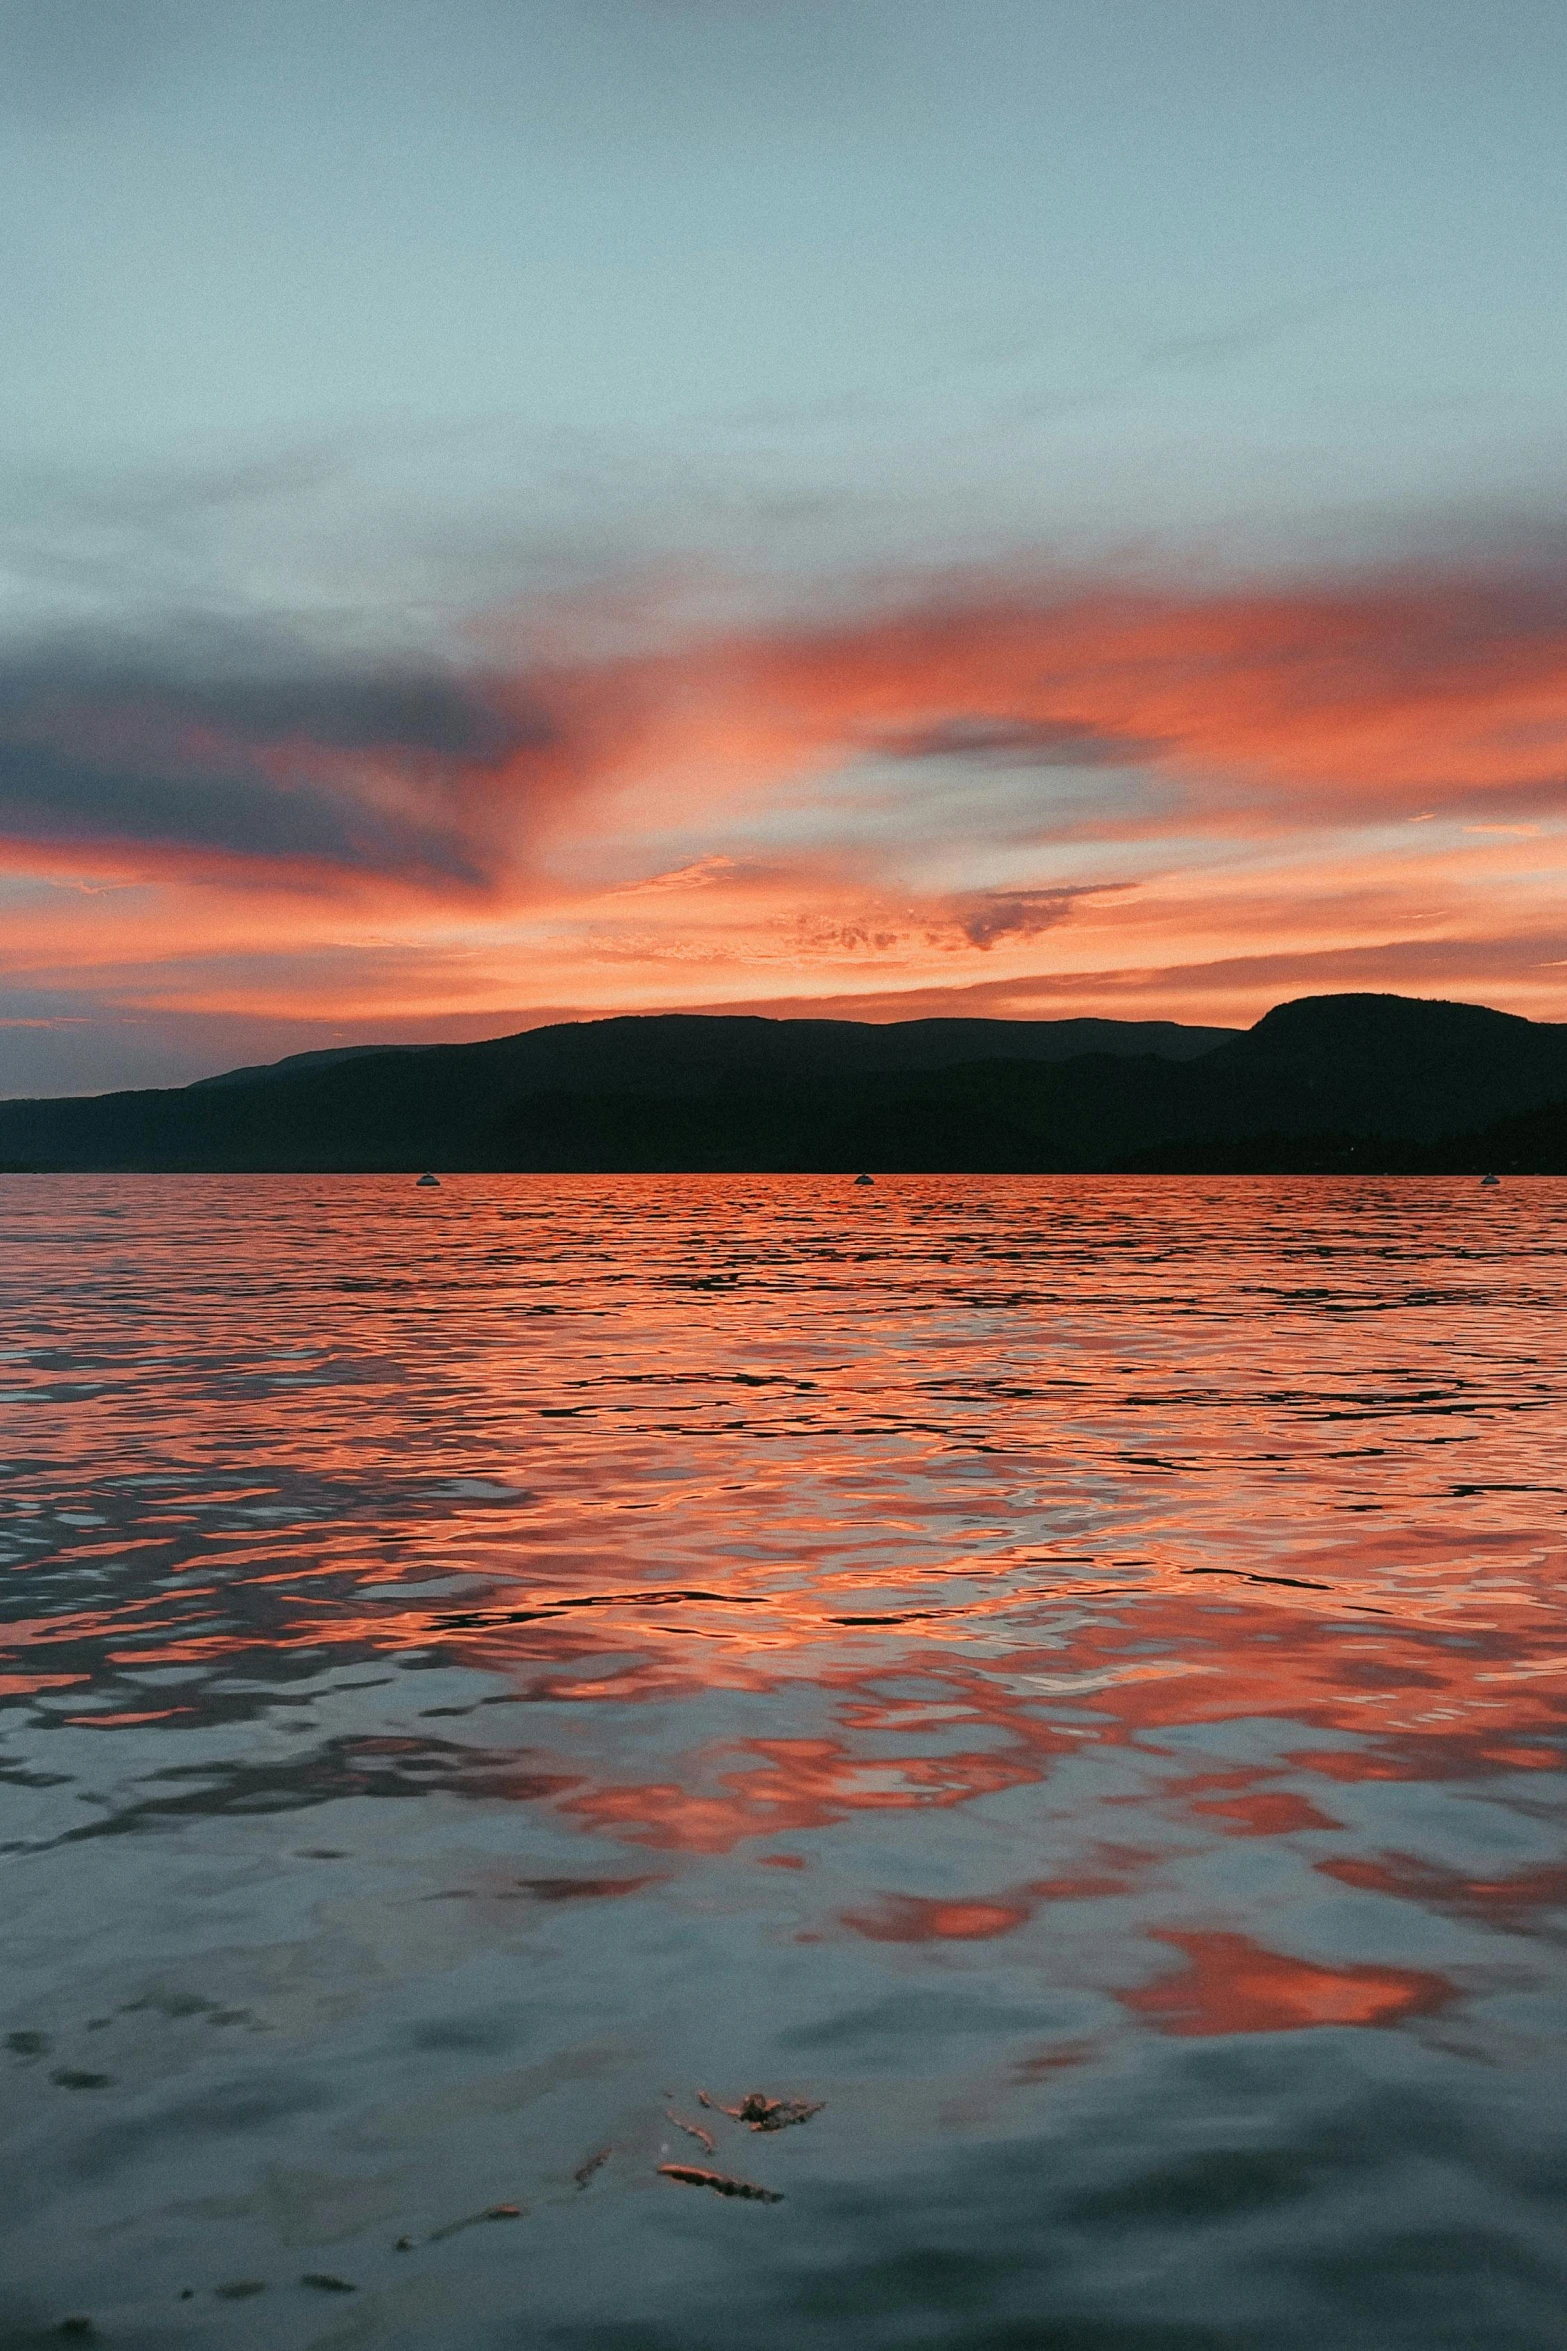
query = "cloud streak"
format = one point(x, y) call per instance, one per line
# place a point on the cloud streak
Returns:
point(987, 783)
point(1266, 710)
point(256, 759)
point(1020, 742)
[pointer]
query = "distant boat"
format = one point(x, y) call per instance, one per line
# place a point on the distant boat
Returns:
point(865, 1179)
point(1489, 1179)
point(427, 1182)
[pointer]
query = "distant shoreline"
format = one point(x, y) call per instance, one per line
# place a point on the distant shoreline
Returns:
point(1329, 1085)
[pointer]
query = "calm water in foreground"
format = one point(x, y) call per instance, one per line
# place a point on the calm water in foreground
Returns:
point(1068, 1672)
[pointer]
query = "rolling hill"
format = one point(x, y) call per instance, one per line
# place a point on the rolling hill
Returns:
point(1324, 1083)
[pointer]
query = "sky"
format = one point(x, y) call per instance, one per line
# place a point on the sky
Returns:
point(516, 510)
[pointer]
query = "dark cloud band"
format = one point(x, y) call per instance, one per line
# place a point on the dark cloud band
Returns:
point(257, 756)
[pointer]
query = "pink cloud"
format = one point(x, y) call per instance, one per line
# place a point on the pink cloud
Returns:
point(994, 795)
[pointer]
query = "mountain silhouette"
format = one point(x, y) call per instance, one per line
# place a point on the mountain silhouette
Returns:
point(1323, 1083)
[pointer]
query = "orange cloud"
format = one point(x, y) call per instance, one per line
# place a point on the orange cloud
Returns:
point(997, 794)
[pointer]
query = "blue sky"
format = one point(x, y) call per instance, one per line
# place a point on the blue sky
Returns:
point(451, 340)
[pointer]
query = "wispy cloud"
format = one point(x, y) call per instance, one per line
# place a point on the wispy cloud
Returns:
point(1020, 742)
point(990, 916)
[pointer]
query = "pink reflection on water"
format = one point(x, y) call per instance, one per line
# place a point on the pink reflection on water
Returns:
point(908, 1918)
point(753, 1510)
point(1232, 1984)
point(1516, 1900)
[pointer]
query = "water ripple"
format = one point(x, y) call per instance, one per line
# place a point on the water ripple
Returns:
point(1069, 1672)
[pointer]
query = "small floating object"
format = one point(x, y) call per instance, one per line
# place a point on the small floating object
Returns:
point(764, 2113)
point(584, 2171)
point(469, 2221)
point(864, 1179)
point(428, 1183)
point(325, 2283)
point(690, 2176)
point(1489, 1179)
point(771, 2112)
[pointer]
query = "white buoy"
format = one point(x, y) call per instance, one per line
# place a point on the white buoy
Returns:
point(1489, 1179)
point(428, 1182)
point(864, 1179)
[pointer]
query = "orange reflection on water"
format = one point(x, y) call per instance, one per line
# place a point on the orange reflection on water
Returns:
point(1516, 1900)
point(1233, 1985)
point(904, 1918)
point(909, 1918)
point(797, 1784)
point(1133, 1531)
point(1245, 1810)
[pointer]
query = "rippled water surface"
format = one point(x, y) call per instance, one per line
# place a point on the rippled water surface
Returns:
point(1066, 1672)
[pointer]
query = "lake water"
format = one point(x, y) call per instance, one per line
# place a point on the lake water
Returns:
point(1066, 1672)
